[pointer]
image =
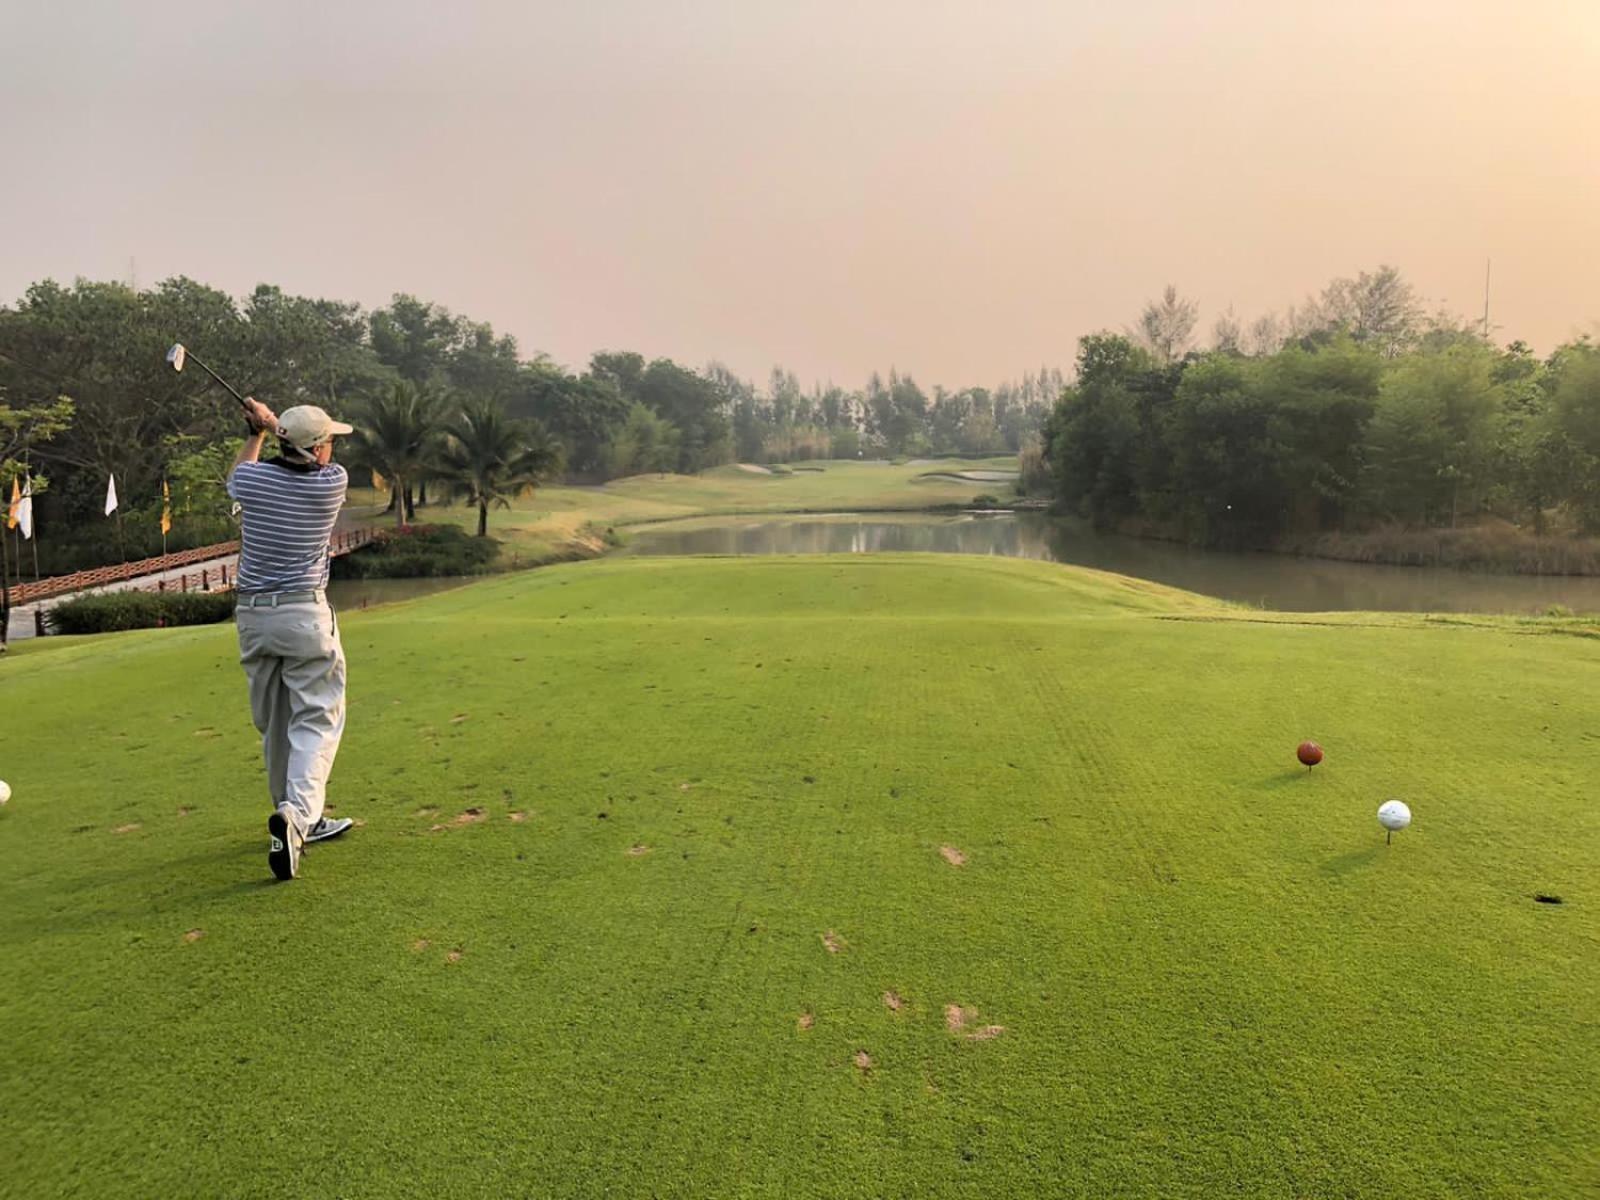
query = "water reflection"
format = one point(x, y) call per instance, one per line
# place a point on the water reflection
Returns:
point(1272, 581)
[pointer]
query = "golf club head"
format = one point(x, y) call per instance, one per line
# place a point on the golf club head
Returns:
point(176, 355)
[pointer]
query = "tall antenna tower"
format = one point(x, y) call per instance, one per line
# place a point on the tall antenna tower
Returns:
point(1487, 263)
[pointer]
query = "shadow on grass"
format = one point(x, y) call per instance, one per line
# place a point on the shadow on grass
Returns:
point(1282, 779)
point(1351, 861)
point(90, 892)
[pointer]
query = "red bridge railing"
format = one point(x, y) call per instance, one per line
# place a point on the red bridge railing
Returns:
point(211, 578)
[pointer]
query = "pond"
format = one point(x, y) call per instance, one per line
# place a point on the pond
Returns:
point(1268, 580)
point(349, 595)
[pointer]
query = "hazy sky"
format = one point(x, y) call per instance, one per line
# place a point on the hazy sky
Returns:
point(960, 190)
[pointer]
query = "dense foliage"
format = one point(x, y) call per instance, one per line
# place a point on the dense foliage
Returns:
point(110, 612)
point(418, 550)
point(1365, 420)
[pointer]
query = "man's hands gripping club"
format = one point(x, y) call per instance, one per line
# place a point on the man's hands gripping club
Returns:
point(262, 421)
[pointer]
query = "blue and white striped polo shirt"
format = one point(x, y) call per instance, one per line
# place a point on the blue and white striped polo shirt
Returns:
point(288, 519)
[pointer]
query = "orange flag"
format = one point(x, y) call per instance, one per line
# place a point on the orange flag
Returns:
point(166, 509)
point(14, 513)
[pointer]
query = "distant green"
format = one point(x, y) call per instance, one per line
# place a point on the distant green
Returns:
point(1213, 977)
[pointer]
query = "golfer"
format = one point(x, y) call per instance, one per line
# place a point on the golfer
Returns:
point(288, 638)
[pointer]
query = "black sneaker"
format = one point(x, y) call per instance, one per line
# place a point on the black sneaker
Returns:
point(284, 855)
point(325, 829)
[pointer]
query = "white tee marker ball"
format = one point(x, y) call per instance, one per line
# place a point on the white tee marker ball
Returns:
point(1393, 815)
point(5, 791)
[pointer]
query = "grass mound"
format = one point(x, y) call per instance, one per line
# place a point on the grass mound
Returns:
point(813, 877)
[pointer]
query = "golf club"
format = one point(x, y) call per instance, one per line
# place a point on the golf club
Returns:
point(178, 355)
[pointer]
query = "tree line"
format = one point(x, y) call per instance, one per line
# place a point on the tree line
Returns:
point(441, 400)
point(1352, 411)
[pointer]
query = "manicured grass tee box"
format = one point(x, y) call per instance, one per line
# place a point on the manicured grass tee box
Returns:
point(655, 895)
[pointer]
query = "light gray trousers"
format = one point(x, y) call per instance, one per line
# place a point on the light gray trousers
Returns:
point(295, 664)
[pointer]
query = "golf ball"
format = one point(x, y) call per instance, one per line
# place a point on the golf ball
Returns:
point(5, 791)
point(1393, 814)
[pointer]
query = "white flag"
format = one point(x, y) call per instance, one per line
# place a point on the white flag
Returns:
point(25, 510)
point(111, 494)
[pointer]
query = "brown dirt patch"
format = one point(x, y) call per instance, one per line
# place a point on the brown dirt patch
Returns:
point(862, 1060)
point(959, 1020)
point(194, 935)
point(458, 718)
point(833, 942)
point(427, 810)
point(684, 787)
point(360, 823)
point(953, 856)
point(421, 944)
point(638, 850)
point(129, 828)
point(516, 818)
point(804, 1021)
point(454, 956)
point(206, 732)
point(185, 811)
point(469, 817)
point(893, 1001)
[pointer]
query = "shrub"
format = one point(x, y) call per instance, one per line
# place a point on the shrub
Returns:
point(417, 551)
point(110, 612)
point(985, 501)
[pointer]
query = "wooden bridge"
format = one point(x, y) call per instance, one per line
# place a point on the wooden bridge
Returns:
point(203, 569)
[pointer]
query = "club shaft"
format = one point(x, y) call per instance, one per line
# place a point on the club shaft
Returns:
point(219, 379)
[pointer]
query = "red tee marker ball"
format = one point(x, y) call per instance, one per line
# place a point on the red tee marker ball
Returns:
point(1309, 753)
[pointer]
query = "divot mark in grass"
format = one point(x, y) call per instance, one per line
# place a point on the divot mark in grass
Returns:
point(863, 1061)
point(833, 942)
point(953, 856)
point(128, 828)
point(516, 818)
point(421, 944)
point(427, 810)
point(194, 935)
point(804, 1021)
point(470, 816)
point(1547, 898)
point(638, 850)
point(893, 1000)
point(185, 811)
point(958, 1020)
point(454, 956)
point(458, 718)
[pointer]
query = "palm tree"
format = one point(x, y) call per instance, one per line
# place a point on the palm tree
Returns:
point(489, 458)
point(398, 436)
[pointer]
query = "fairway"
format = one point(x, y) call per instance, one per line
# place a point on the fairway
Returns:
point(820, 877)
point(551, 522)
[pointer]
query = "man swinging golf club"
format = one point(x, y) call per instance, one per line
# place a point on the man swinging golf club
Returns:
point(288, 637)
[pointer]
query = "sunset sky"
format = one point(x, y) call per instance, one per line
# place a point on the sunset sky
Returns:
point(960, 190)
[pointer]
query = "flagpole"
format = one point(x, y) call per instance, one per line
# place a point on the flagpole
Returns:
point(33, 529)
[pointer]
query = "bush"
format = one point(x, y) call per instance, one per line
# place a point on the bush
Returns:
point(417, 551)
point(986, 501)
point(110, 612)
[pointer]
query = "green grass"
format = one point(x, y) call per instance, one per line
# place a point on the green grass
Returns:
point(1213, 976)
point(554, 521)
